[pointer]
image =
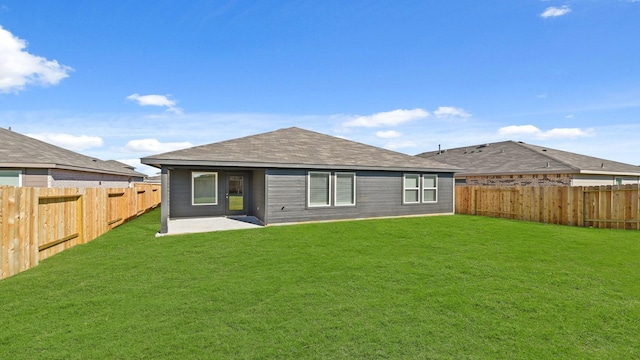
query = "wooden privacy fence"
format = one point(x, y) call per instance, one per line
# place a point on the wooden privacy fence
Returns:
point(36, 223)
point(612, 207)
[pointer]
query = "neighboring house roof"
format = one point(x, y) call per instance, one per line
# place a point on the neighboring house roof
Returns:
point(510, 157)
point(296, 148)
point(118, 163)
point(155, 179)
point(20, 151)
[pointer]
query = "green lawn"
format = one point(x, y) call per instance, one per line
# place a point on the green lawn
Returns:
point(450, 287)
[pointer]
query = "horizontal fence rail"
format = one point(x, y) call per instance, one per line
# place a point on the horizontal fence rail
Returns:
point(36, 223)
point(611, 207)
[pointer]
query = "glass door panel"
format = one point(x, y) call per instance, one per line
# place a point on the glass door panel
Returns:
point(235, 184)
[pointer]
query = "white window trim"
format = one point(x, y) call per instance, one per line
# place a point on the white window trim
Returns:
point(421, 188)
point(20, 174)
point(309, 204)
point(404, 188)
point(429, 188)
point(193, 188)
point(335, 192)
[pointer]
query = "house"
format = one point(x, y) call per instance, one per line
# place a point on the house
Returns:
point(295, 175)
point(25, 161)
point(511, 163)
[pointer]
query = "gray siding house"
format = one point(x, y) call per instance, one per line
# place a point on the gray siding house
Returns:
point(25, 161)
point(295, 175)
point(511, 163)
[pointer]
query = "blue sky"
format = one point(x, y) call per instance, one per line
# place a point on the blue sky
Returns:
point(126, 79)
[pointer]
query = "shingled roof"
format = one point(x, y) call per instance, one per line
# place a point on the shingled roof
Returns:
point(20, 151)
point(511, 157)
point(296, 148)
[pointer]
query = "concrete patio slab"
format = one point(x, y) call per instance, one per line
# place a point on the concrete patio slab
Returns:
point(208, 224)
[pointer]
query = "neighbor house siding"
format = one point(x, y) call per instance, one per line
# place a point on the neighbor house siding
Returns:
point(35, 178)
point(597, 180)
point(547, 180)
point(519, 180)
point(378, 194)
point(80, 179)
point(60, 178)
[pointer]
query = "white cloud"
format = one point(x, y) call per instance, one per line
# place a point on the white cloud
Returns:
point(154, 146)
point(563, 133)
point(518, 130)
point(19, 68)
point(553, 11)
point(569, 117)
point(156, 100)
point(389, 118)
point(71, 142)
point(444, 112)
point(534, 132)
point(388, 134)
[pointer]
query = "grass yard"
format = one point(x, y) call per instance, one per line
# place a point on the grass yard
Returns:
point(450, 287)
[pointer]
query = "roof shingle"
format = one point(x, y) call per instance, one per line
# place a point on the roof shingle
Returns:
point(296, 148)
point(17, 150)
point(510, 157)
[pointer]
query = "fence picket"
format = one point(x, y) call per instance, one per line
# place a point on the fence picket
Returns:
point(596, 206)
point(36, 223)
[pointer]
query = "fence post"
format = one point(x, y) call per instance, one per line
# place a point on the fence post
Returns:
point(79, 219)
point(584, 207)
point(475, 201)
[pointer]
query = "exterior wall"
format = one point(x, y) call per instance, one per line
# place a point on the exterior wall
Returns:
point(595, 180)
point(546, 180)
point(630, 180)
point(35, 178)
point(79, 179)
point(11, 177)
point(32, 177)
point(258, 194)
point(520, 180)
point(59, 178)
point(378, 194)
point(180, 193)
point(181, 197)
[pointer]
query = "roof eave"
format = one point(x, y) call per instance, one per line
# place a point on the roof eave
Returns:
point(158, 163)
point(67, 167)
point(537, 172)
point(527, 172)
point(617, 173)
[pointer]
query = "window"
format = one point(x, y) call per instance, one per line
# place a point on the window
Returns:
point(420, 188)
point(461, 181)
point(618, 181)
point(204, 187)
point(331, 189)
point(429, 188)
point(319, 189)
point(345, 189)
point(411, 188)
point(10, 177)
